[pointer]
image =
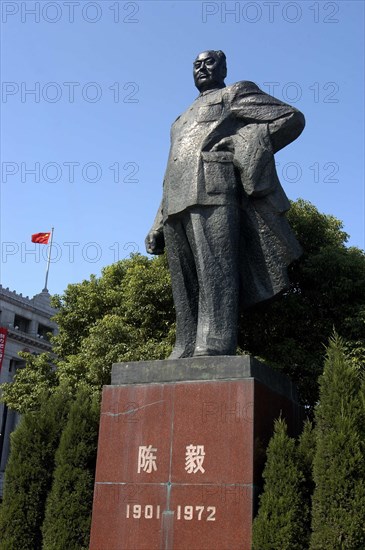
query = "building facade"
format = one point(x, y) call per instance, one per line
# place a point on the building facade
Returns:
point(28, 326)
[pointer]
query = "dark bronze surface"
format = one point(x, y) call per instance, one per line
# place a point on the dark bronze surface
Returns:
point(222, 215)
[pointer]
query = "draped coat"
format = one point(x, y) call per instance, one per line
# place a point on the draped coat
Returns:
point(222, 152)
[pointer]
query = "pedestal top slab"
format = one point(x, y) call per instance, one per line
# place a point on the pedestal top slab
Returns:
point(193, 369)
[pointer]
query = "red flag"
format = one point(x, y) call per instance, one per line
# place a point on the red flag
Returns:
point(41, 238)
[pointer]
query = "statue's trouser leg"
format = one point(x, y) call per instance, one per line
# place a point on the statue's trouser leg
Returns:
point(213, 234)
point(202, 250)
point(185, 287)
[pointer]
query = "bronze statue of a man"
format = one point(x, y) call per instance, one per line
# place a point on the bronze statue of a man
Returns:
point(222, 216)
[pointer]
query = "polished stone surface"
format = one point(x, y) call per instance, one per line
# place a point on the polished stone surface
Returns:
point(179, 462)
point(218, 367)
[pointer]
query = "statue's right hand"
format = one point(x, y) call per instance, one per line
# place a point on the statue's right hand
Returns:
point(155, 242)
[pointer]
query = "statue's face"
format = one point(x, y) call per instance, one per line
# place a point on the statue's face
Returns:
point(208, 72)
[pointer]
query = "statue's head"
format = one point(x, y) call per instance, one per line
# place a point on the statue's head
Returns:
point(210, 70)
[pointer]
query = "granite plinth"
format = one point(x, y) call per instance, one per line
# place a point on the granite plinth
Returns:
point(181, 451)
point(223, 367)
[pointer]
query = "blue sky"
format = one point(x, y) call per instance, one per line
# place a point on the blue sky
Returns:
point(86, 151)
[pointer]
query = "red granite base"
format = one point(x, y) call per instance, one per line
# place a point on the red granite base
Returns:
point(179, 463)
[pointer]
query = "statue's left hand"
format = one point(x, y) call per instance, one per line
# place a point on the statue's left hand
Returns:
point(155, 242)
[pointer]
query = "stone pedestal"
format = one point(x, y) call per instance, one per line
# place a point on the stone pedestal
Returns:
point(181, 450)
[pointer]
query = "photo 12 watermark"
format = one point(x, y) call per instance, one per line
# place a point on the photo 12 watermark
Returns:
point(227, 493)
point(69, 92)
point(70, 171)
point(69, 251)
point(70, 12)
point(73, 172)
point(221, 412)
point(118, 493)
point(270, 12)
point(315, 172)
point(292, 92)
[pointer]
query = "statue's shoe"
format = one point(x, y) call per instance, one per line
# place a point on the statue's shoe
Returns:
point(179, 353)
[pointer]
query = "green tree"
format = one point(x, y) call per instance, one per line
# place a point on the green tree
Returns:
point(281, 522)
point(28, 474)
point(339, 462)
point(136, 321)
point(127, 314)
point(306, 450)
point(137, 290)
point(32, 382)
point(67, 517)
point(327, 289)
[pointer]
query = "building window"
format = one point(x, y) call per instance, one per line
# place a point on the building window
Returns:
point(44, 331)
point(21, 323)
point(16, 364)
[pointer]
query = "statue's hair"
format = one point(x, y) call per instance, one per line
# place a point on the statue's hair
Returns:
point(221, 57)
point(222, 61)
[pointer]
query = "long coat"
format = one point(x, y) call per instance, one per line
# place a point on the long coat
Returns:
point(202, 172)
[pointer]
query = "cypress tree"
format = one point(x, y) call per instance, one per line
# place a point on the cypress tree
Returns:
point(28, 474)
point(281, 520)
point(306, 449)
point(69, 505)
point(339, 463)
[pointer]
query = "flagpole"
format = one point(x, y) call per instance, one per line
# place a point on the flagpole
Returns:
point(48, 261)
